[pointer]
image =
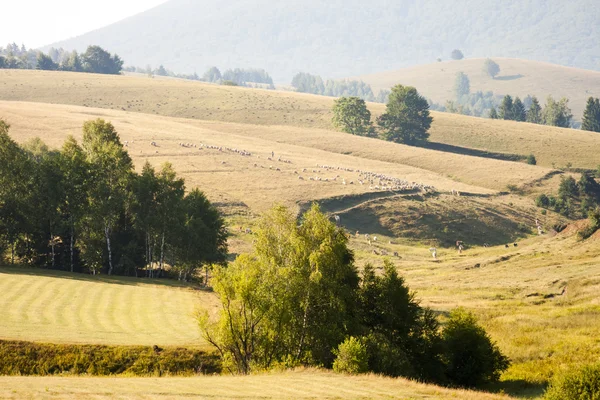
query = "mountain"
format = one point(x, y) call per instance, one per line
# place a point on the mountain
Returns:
point(340, 38)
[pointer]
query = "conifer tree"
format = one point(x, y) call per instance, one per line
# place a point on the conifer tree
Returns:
point(534, 114)
point(518, 111)
point(591, 116)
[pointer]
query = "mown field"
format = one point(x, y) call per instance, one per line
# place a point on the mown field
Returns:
point(307, 384)
point(517, 77)
point(57, 307)
point(195, 100)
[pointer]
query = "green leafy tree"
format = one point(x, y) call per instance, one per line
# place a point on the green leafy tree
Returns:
point(591, 116)
point(557, 113)
point(493, 113)
point(97, 60)
point(212, 75)
point(518, 111)
point(45, 63)
point(505, 111)
point(407, 118)
point(351, 115)
point(462, 85)
point(109, 188)
point(457, 54)
point(568, 188)
point(472, 359)
point(534, 113)
point(491, 68)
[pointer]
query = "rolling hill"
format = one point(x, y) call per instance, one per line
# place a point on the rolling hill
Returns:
point(285, 111)
point(517, 78)
point(351, 37)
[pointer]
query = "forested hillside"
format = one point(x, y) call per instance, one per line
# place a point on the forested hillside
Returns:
point(351, 37)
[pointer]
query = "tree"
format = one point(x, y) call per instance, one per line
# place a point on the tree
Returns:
point(111, 169)
point(531, 160)
point(557, 113)
point(45, 63)
point(212, 75)
point(491, 68)
point(97, 60)
point(568, 188)
point(505, 111)
point(457, 54)
point(407, 118)
point(462, 85)
point(591, 116)
point(161, 71)
point(493, 113)
point(472, 359)
point(351, 357)
point(518, 110)
point(534, 114)
point(350, 114)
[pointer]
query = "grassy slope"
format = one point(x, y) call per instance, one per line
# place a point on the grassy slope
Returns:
point(286, 385)
point(62, 308)
point(517, 77)
point(195, 100)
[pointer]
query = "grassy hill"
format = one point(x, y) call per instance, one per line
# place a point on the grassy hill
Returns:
point(284, 110)
point(517, 77)
point(303, 384)
point(346, 38)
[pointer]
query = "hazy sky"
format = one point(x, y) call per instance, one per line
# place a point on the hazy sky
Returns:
point(39, 22)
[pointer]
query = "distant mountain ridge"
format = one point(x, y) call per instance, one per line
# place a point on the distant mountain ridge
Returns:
point(347, 38)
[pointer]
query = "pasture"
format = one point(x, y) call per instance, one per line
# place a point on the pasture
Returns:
point(302, 384)
point(517, 77)
point(256, 108)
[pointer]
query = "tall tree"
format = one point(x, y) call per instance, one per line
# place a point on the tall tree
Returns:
point(457, 54)
point(518, 110)
point(557, 113)
point(111, 169)
point(493, 113)
point(505, 111)
point(462, 85)
point(407, 118)
point(534, 114)
point(75, 172)
point(351, 115)
point(97, 60)
point(591, 116)
point(45, 62)
point(491, 68)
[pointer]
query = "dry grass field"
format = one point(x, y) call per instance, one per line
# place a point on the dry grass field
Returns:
point(48, 306)
point(256, 108)
point(306, 384)
point(517, 77)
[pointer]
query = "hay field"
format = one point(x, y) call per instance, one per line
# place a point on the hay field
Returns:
point(517, 77)
point(195, 100)
point(56, 307)
point(229, 177)
point(304, 384)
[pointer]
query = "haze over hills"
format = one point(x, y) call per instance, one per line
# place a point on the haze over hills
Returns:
point(351, 37)
point(517, 78)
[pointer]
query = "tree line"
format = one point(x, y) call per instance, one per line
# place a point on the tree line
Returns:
point(554, 113)
point(84, 208)
point(299, 299)
point(94, 60)
point(308, 83)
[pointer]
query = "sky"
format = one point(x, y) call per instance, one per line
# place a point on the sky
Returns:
point(36, 23)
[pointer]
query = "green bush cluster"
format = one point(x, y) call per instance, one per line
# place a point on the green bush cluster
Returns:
point(25, 358)
point(581, 384)
point(576, 199)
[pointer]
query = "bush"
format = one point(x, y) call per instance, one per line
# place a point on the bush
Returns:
point(386, 358)
point(593, 226)
point(24, 358)
point(531, 160)
point(542, 201)
point(471, 358)
point(351, 357)
point(581, 384)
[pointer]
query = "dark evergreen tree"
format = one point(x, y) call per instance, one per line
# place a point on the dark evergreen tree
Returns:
point(534, 113)
point(518, 110)
point(591, 116)
point(494, 113)
point(505, 111)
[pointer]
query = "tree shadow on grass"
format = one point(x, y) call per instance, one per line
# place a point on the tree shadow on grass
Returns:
point(509, 77)
point(115, 280)
point(518, 388)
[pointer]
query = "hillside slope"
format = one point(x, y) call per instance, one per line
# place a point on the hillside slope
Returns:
point(351, 37)
point(517, 78)
point(256, 107)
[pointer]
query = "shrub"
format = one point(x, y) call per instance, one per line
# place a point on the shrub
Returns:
point(593, 226)
point(581, 384)
point(542, 201)
point(531, 160)
point(471, 358)
point(351, 357)
point(386, 358)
